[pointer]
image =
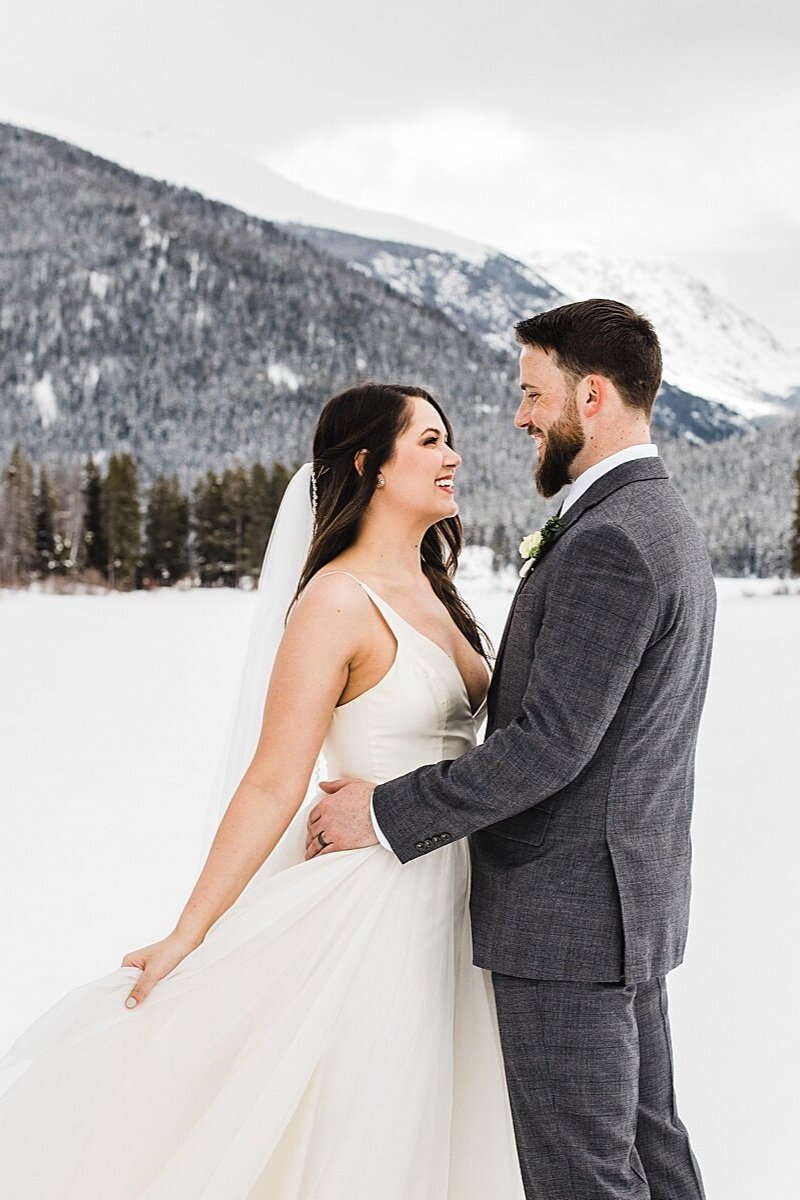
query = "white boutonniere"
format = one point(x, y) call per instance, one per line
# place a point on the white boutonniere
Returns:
point(532, 546)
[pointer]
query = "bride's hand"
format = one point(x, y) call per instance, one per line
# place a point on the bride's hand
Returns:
point(155, 962)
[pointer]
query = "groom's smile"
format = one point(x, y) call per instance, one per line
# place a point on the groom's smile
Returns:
point(549, 413)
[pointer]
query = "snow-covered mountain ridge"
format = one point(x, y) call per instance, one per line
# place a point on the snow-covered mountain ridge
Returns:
point(712, 351)
point(485, 295)
point(710, 348)
point(144, 318)
point(187, 159)
point(733, 367)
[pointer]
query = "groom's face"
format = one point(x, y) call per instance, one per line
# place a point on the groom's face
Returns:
point(549, 413)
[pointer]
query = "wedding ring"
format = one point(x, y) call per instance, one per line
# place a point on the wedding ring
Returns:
point(322, 841)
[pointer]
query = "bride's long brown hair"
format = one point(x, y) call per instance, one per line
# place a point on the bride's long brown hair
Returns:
point(371, 417)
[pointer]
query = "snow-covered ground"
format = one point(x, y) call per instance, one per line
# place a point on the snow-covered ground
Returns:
point(112, 708)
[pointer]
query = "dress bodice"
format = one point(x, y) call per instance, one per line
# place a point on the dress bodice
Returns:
point(418, 713)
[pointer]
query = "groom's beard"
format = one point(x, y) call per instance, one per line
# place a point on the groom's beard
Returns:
point(563, 441)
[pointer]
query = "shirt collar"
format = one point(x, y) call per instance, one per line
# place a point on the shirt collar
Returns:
point(592, 474)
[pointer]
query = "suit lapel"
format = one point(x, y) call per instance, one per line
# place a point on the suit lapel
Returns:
point(630, 472)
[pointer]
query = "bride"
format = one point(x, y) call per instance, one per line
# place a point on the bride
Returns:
point(309, 1030)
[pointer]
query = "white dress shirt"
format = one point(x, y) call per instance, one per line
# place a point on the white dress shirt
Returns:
point(577, 488)
point(592, 474)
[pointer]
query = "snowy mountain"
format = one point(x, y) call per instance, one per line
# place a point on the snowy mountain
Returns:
point(724, 369)
point(484, 294)
point(143, 317)
point(186, 159)
point(487, 295)
point(711, 349)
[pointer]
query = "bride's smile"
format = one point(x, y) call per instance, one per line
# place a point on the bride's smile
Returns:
point(419, 478)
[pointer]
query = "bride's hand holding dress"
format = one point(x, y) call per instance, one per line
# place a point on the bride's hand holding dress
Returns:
point(155, 962)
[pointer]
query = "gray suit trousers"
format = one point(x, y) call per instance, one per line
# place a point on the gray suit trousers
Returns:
point(589, 1069)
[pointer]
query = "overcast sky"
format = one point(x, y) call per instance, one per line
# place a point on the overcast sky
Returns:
point(663, 129)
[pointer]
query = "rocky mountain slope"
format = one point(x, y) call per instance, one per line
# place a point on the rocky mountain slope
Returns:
point(722, 371)
point(134, 315)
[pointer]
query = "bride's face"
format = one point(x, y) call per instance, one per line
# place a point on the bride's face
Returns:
point(419, 475)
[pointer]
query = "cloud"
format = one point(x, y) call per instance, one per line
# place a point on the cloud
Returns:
point(448, 165)
point(662, 128)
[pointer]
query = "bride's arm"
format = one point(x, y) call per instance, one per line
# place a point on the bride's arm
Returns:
point(323, 638)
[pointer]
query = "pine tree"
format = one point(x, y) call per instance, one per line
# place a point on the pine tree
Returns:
point(266, 493)
point(794, 548)
point(502, 553)
point(17, 521)
point(236, 490)
point(166, 551)
point(262, 516)
point(214, 530)
point(94, 541)
point(280, 481)
point(123, 521)
point(65, 486)
point(45, 527)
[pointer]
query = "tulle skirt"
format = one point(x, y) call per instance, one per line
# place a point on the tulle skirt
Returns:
point(329, 1040)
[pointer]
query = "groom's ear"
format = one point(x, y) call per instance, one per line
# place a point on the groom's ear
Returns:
point(592, 392)
point(358, 461)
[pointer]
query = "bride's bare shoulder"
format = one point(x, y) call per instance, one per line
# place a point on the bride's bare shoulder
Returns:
point(329, 622)
point(332, 590)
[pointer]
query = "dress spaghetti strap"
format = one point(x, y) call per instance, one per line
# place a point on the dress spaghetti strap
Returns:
point(392, 618)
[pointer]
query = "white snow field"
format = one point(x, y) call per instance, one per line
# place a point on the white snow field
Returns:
point(112, 708)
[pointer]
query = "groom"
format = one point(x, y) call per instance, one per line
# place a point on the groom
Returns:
point(579, 801)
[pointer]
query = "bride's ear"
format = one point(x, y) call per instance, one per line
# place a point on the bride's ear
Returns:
point(358, 461)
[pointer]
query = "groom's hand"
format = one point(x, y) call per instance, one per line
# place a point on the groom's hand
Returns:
point(341, 820)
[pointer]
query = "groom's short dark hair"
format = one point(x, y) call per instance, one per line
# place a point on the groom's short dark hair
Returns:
point(601, 337)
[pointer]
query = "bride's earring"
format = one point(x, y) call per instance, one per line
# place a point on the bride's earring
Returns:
point(381, 482)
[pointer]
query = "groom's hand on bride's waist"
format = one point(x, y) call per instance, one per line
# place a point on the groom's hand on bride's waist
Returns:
point(341, 820)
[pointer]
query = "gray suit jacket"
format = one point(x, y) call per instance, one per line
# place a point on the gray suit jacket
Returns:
point(579, 800)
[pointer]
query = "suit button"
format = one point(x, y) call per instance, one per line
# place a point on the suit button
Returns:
point(420, 845)
point(444, 836)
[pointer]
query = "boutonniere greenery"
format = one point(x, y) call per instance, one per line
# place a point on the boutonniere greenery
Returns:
point(533, 546)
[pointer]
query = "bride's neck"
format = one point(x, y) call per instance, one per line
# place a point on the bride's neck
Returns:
point(387, 547)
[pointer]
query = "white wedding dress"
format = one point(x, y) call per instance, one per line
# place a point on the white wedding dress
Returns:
point(329, 1040)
